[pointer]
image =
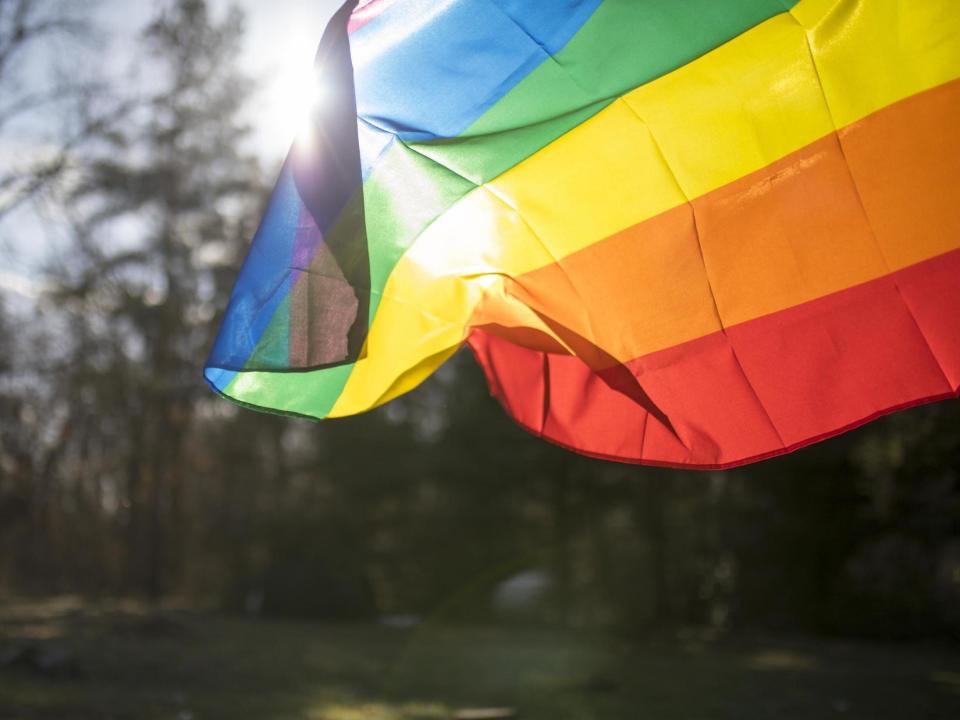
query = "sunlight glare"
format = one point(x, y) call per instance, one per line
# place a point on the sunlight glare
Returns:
point(294, 94)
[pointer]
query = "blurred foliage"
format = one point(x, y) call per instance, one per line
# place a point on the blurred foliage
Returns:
point(120, 474)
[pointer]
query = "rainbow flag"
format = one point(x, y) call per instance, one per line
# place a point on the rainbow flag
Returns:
point(693, 233)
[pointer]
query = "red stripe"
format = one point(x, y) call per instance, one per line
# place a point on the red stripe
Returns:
point(761, 388)
point(366, 11)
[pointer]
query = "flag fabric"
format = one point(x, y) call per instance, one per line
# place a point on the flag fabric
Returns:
point(692, 233)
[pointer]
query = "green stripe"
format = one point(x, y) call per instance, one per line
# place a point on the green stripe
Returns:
point(272, 349)
point(624, 44)
point(404, 194)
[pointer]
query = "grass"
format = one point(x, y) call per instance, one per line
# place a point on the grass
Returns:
point(129, 663)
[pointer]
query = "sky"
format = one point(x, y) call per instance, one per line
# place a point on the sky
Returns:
point(279, 46)
point(278, 51)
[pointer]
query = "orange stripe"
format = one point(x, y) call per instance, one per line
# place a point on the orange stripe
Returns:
point(760, 388)
point(878, 196)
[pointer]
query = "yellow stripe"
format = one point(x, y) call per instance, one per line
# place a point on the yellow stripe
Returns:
point(767, 93)
point(870, 53)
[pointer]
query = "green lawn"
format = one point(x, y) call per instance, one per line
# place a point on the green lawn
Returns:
point(129, 663)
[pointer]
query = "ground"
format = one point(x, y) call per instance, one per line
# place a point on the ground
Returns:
point(63, 659)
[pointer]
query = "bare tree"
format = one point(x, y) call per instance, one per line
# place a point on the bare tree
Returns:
point(47, 108)
point(177, 174)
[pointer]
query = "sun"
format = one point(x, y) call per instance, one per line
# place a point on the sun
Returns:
point(294, 92)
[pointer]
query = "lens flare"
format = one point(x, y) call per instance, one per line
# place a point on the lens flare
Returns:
point(294, 97)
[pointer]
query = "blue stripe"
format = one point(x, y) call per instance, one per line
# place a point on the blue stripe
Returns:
point(219, 379)
point(374, 142)
point(428, 69)
point(264, 280)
